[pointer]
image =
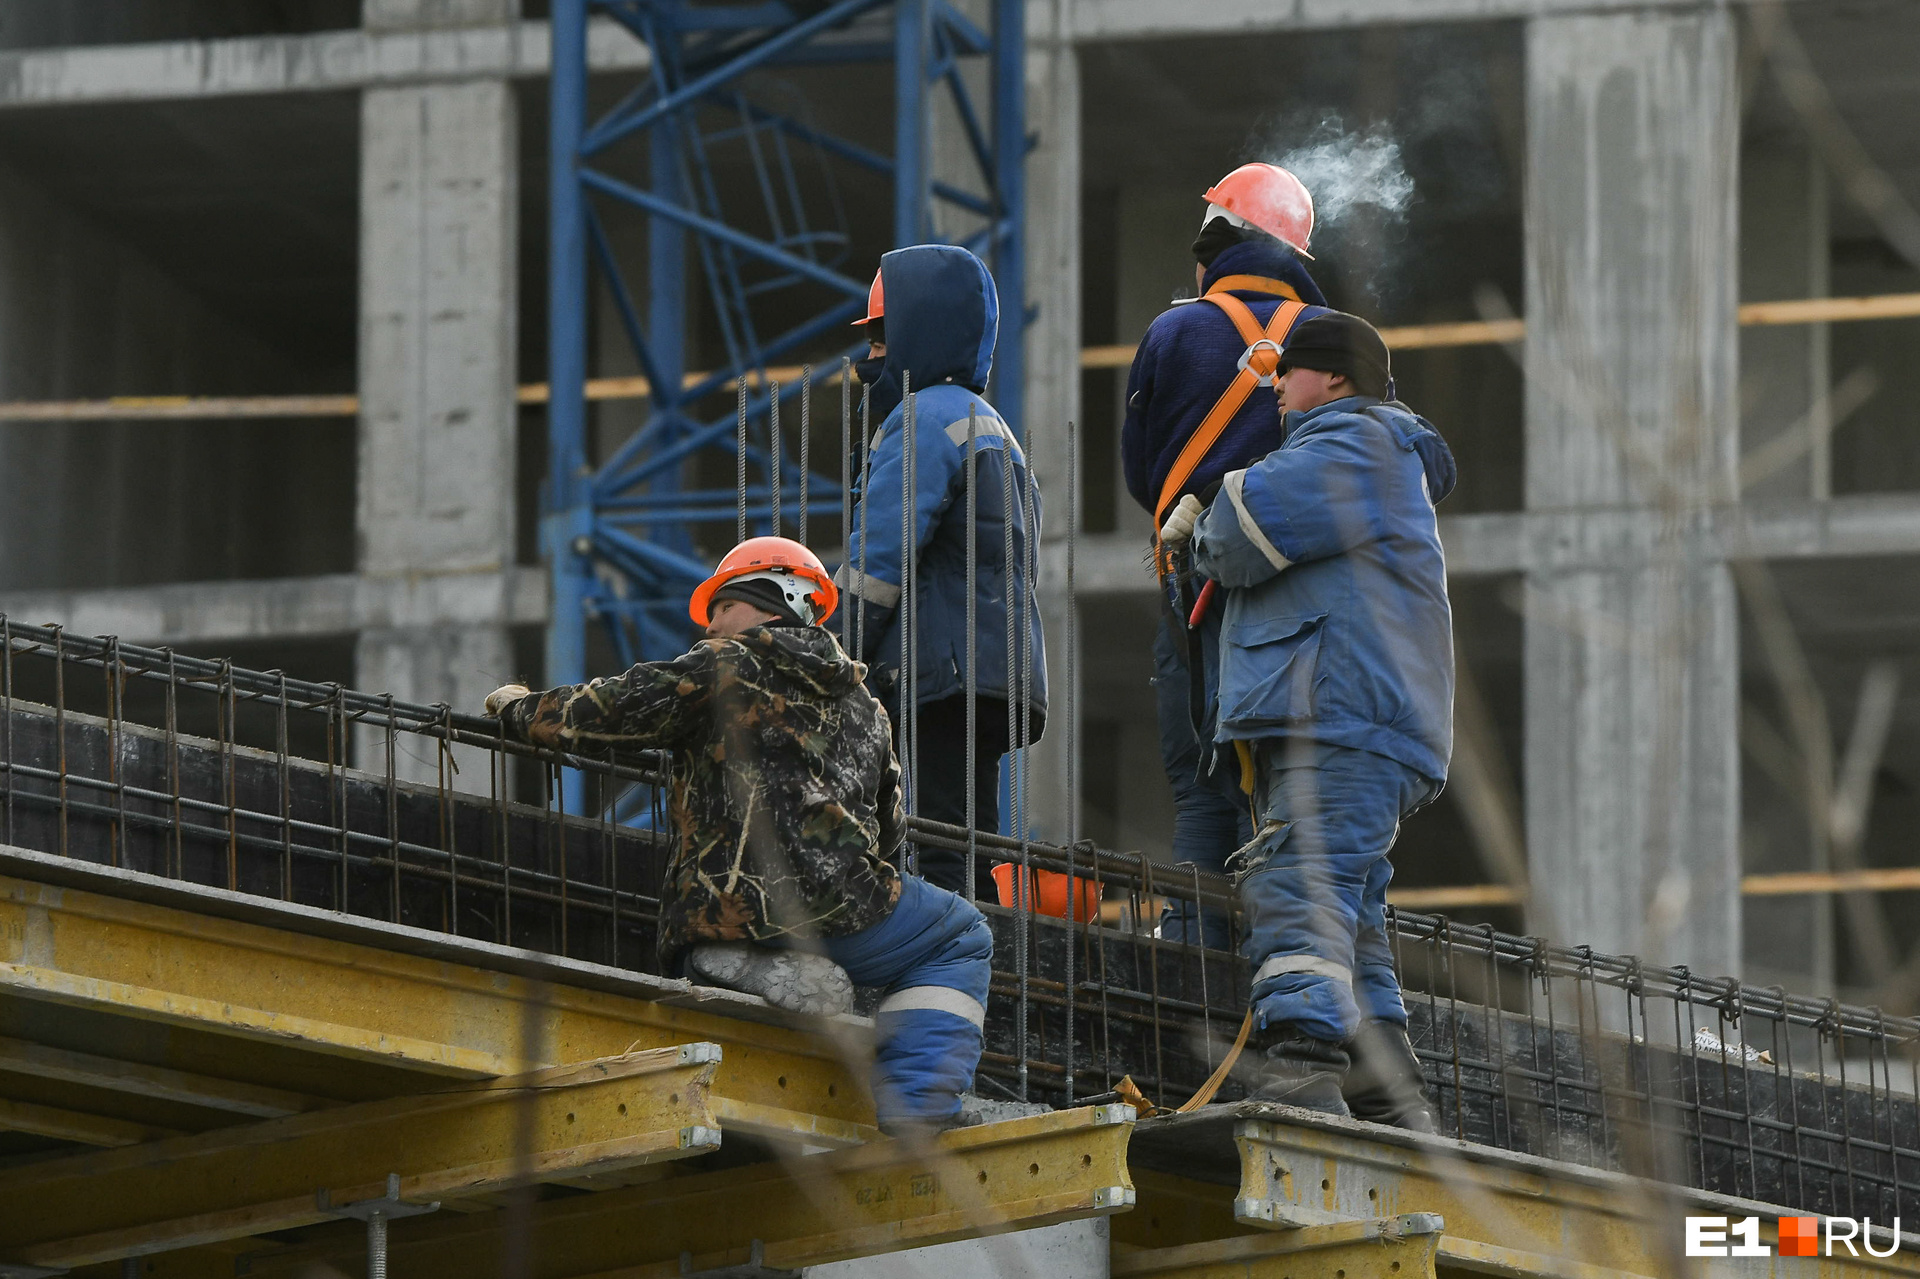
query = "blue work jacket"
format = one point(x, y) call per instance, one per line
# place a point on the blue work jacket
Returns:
point(1189, 355)
point(1337, 626)
point(942, 317)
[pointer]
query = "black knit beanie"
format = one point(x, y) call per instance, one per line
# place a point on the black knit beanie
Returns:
point(763, 595)
point(1344, 344)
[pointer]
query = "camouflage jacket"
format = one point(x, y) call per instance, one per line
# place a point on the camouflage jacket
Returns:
point(785, 791)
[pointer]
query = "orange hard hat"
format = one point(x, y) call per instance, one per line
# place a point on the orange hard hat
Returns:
point(776, 559)
point(1267, 197)
point(876, 302)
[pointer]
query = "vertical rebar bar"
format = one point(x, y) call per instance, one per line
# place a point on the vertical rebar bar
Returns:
point(1073, 742)
point(393, 802)
point(740, 461)
point(866, 492)
point(973, 674)
point(115, 743)
point(909, 620)
point(60, 724)
point(6, 712)
point(450, 818)
point(1023, 899)
point(283, 757)
point(846, 487)
point(336, 780)
point(806, 443)
point(776, 455)
point(1030, 519)
point(226, 716)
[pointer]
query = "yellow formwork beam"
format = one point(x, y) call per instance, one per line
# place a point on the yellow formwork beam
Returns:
point(1506, 1214)
point(370, 1001)
point(61, 1124)
point(790, 1213)
point(468, 1140)
point(1385, 1248)
point(89, 1070)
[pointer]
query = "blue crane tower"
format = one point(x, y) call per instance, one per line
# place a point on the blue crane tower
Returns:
point(617, 530)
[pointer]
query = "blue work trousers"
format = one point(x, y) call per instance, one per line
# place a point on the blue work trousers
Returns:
point(1313, 885)
point(1210, 815)
point(933, 956)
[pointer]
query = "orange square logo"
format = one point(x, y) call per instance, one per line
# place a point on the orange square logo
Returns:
point(1799, 1236)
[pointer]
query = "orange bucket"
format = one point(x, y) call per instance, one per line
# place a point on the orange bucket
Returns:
point(1049, 892)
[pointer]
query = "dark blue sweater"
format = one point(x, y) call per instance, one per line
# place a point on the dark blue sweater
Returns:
point(1189, 355)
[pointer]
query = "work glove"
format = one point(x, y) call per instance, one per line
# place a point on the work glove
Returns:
point(497, 700)
point(1179, 526)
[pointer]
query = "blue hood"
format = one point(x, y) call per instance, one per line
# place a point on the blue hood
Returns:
point(1264, 256)
point(1413, 432)
point(943, 314)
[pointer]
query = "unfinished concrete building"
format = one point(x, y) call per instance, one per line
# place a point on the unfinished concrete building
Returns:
point(1652, 271)
point(299, 199)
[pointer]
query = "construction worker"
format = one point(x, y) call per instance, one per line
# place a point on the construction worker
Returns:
point(941, 314)
point(1194, 412)
point(1336, 688)
point(787, 821)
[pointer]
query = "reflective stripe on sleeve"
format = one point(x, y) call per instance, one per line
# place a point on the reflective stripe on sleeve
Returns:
point(866, 586)
point(984, 429)
point(1232, 484)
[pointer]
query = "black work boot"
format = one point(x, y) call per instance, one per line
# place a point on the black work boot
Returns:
point(1384, 1084)
point(1303, 1071)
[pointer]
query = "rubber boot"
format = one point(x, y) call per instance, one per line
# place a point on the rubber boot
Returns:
point(1304, 1072)
point(1385, 1084)
point(791, 979)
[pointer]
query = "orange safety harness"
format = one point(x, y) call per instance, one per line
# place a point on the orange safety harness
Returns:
point(1259, 365)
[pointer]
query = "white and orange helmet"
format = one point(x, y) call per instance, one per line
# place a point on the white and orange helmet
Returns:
point(1267, 198)
point(794, 569)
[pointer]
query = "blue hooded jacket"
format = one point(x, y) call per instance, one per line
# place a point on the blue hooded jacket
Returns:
point(942, 317)
point(1188, 357)
point(1337, 627)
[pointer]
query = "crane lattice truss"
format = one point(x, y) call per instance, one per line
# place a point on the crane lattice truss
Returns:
point(617, 530)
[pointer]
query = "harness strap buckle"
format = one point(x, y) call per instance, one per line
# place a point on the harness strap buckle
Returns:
point(1246, 359)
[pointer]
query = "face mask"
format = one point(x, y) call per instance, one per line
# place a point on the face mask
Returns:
point(869, 369)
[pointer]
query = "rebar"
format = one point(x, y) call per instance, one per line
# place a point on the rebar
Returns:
point(740, 462)
point(776, 455)
point(972, 690)
point(237, 777)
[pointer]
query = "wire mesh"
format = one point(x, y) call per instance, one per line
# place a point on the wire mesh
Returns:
point(204, 772)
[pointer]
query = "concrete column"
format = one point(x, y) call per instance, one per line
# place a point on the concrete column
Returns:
point(438, 310)
point(1053, 372)
point(1632, 680)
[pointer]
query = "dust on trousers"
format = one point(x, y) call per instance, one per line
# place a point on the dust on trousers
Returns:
point(1313, 885)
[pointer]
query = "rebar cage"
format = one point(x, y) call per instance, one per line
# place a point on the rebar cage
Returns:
point(206, 773)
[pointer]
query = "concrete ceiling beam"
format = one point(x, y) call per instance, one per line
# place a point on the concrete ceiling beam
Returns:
point(323, 62)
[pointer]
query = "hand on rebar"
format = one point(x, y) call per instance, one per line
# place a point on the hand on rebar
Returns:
point(497, 700)
point(1179, 525)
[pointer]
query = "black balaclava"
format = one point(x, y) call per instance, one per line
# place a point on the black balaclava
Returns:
point(1218, 235)
point(763, 595)
point(868, 370)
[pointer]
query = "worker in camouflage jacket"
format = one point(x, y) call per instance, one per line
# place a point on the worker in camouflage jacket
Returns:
point(787, 818)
